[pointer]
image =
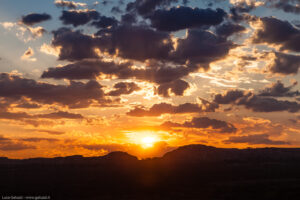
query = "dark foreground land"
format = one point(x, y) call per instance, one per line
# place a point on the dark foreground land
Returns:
point(190, 172)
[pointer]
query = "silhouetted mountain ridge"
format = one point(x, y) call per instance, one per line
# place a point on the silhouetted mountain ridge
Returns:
point(188, 172)
point(188, 153)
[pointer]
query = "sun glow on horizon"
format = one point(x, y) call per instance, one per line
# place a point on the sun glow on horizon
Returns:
point(148, 142)
point(145, 139)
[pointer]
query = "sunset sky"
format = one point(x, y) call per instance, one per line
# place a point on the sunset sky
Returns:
point(146, 76)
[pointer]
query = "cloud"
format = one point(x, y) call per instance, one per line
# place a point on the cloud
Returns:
point(14, 116)
point(51, 132)
point(88, 69)
point(285, 63)
point(23, 32)
point(15, 147)
point(275, 31)
point(35, 18)
point(69, 4)
point(176, 87)
point(74, 45)
point(37, 139)
point(60, 115)
point(203, 122)
point(178, 18)
point(254, 139)
point(73, 95)
point(105, 22)
point(279, 90)
point(122, 88)
point(28, 105)
point(28, 55)
point(256, 103)
point(50, 50)
point(144, 7)
point(201, 47)
point(166, 108)
point(135, 42)
point(167, 77)
point(246, 5)
point(128, 18)
point(230, 96)
point(289, 6)
point(78, 17)
point(24, 115)
point(2, 138)
point(129, 42)
point(228, 29)
point(7, 144)
point(37, 31)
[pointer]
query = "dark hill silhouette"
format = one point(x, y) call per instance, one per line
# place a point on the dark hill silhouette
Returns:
point(189, 172)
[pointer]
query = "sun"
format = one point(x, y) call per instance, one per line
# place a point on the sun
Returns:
point(145, 139)
point(148, 142)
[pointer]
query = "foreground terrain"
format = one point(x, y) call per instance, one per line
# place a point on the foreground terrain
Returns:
point(189, 172)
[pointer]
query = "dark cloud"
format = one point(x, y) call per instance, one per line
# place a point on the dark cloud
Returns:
point(68, 4)
point(167, 77)
point(244, 7)
point(256, 103)
point(229, 97)
point(285, 63)
point(116, 10)
point(7, 144)
point(131, 42)
point(15, 146)
point(254, 139)
point(35, 18)
point(136, 42)
point(176, 87)
point(142, 43)
point(259, 104)
point(237, 16)
point(51, 132)
point(105, 22)
point(229, 29)
point(122, 88)
point(166, 108)
point(36, 139)
point(28, 105)
point(74, 44)
point(73, 95)
point(14, 116)
point(144, 7)
point(24, 115)
point(60, 115)
point(289, 6)
point(6, 103)
point(2, 138)
point(88, 69)
point(279, 90)
point(178, 18)
point(201, 47)
point(129, 18)
point(275, 31)
point(78, 17)
point(204, 122)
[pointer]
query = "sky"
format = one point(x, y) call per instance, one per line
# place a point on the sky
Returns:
point(147, 76)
